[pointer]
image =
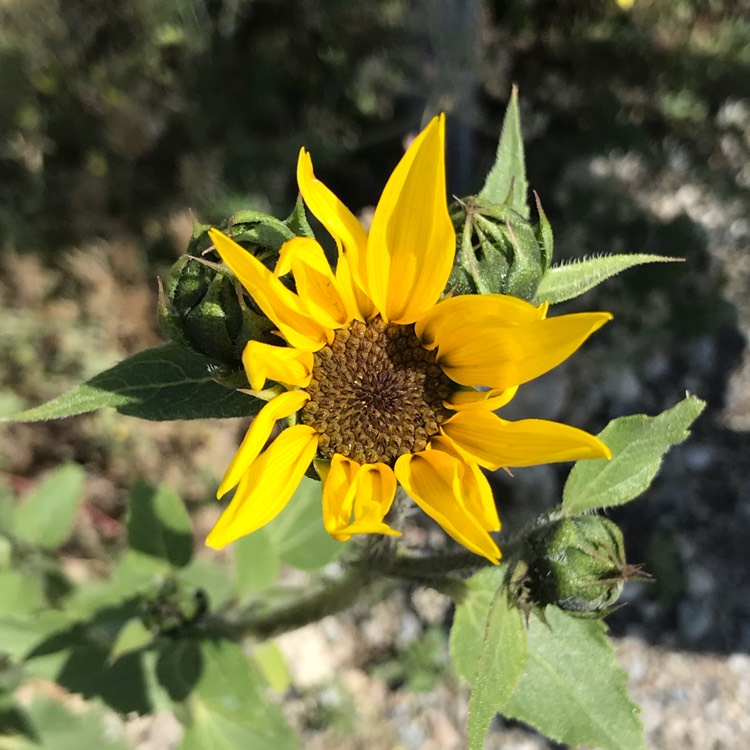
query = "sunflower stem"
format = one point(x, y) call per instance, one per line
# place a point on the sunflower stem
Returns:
point(288, 608)
point(372, 572)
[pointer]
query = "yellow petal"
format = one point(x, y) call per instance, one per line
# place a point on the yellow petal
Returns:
point(282, 306)
point(434, 481)
point(503, 357)
point(260, 430)
point(267, 486)
point(341, 223)
point(489, 400)
point(356, 498)
point(412, 244)
point(317, 287)
point(475, 311)
point(357, 302)
point(282, 364)
point(476, 490)
point(494, 442)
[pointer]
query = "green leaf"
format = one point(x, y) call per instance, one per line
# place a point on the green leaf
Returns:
point(179, 666)
point(572, 689)
point(502, 660)
point(168, 382)
point(227, 707)
point(211, 578)
point(7, 508)
point(56, 727)
point(257, 562)
point(159, 525)
point(506, 181)
point(133, 637)
point(298, 532)
point(566, 282)
point(638, 444)
point(47, 514)
point(272, 665)
point(470, 620)
point(20, 594)
point(20, 634)
point(121, 684)
point(133, 574)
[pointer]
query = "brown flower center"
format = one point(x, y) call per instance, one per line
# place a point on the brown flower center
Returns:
point(376, 393)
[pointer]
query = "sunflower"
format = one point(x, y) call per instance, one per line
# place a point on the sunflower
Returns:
point(386, 383)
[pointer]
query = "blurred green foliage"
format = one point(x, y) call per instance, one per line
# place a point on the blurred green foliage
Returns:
point(118, 112)
point(140, 639)
point(114, 114)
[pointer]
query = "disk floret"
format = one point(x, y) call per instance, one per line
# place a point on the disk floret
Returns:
point(376, 393)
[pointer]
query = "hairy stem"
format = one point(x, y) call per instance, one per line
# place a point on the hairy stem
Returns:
point(372, 572)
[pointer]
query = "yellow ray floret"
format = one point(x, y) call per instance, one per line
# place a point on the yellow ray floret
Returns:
point(492, 442)
point(356, 498)
point(266, 486)
point(292, 367)
point(435, 481)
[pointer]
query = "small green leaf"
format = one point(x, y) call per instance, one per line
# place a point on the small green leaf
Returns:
point(257, 562)
point(46, 516)
point(273, 666)
point(120, 684)
point(297, 220)
point(6, 550)
point(227, 707)
point(470, 620)
point(298, 532)
point(159, 525)
point(168, 382)
point(638, 444)
point(20, 634)
point(133, 637)
point(502, 660)
point(56, 727)
point(211, 578)
point(7, 509)
point(506, 181)
point(572, 689)
point(178, 667)
point(566, 282)
point(20, 594)
point(133, 574)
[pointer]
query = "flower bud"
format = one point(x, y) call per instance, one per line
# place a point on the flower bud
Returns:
point(204, 307)
point(576, 564)
point(499, 250)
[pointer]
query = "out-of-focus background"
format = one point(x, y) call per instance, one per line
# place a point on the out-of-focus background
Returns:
point(122, 122)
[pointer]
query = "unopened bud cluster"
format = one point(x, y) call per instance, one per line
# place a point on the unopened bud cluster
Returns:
point(576, 564)
point(204, 307)
point(499, 250)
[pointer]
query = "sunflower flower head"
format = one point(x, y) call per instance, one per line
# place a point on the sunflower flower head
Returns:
point(383, 381)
